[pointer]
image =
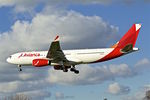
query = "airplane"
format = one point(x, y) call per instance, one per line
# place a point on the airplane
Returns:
point(68, 59)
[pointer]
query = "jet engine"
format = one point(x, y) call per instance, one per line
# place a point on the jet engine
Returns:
point(40, 62)
point(58, 67)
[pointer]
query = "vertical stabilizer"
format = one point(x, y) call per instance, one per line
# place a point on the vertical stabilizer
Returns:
point(129, 39)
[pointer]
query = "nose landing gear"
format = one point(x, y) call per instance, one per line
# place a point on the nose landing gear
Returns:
point(19, 67)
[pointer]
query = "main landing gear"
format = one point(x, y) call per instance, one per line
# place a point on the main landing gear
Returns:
point(72, 69)
point(65, 69)
point(19, 67)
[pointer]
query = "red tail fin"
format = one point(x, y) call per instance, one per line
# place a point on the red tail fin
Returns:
point(125, 45)
point(129, 39)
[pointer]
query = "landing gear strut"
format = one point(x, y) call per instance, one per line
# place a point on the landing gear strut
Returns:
point(20, 69)
point(64, 69)
point(73, 69)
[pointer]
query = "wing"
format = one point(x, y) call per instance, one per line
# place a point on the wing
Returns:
point(56, 55)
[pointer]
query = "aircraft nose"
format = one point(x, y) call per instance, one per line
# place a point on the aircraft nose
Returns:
point(8, 60)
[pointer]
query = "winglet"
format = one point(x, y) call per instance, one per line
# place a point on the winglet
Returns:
point(56, 38)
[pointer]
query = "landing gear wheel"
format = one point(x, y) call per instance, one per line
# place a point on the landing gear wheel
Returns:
point(20, 69)
point(76, 72)
point(65, 70)
point(72, 69)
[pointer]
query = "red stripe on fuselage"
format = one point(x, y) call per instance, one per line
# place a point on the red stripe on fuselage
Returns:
point(114, 54)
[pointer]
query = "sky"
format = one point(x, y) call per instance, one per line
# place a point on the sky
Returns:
point(31, 25)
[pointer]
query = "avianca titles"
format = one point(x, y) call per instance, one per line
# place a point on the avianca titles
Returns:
point(68, 59)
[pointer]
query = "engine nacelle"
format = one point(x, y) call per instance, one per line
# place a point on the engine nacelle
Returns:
point(58, 67)
point(40, 62)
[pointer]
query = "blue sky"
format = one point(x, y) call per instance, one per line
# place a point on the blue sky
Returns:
point(119, 14)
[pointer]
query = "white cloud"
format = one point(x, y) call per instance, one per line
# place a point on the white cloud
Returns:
point(61, 96)
point(25, 76)
point(142, 65)
point(89, 75)
point(6, 2)
point(37, 94)
point(140, 94)
point(116, 89)
point(27, 82)
point(122, 70)
point(143, 62)
point(27, 5)
point(20, 86)
point(137, 96)
point(30, 5)
point(20, 5)
point(32, 88)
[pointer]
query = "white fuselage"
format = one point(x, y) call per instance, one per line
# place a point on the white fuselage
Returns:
point(80, 56)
